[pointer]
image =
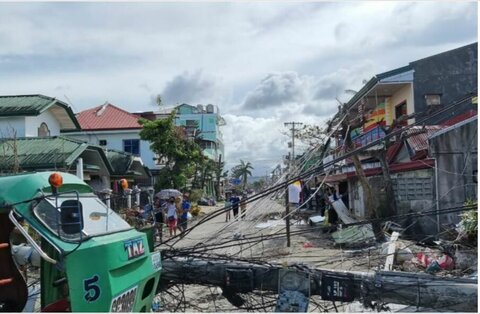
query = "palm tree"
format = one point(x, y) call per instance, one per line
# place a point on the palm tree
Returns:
point(242, 171)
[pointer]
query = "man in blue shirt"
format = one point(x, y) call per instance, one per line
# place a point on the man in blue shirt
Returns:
point(182, 221)
point(235, 200)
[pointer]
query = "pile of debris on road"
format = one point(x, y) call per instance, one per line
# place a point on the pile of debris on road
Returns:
point(443, 259)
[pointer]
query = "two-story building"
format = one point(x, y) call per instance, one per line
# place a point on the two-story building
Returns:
point(422, 87)
point(31, 139)
point(420, 91)
point(201, 121)
point(114, 129)
point(207, 121)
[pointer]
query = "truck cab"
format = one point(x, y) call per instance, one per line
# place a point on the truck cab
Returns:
point(92, 259)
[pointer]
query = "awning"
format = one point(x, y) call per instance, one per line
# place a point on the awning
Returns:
point(333, 178)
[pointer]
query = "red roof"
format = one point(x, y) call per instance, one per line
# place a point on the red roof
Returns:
point(461, 117)
point(107, 117)
point(419, 140)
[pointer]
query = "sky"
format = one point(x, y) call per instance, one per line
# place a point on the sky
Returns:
point(262, 63)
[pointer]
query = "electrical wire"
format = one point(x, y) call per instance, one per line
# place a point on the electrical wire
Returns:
point(319, 170)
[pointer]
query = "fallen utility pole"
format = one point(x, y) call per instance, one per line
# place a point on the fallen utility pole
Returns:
point(380, 287)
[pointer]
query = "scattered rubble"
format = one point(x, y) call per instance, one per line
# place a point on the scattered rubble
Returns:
point(354, 236)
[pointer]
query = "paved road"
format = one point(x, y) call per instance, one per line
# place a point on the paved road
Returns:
point(310, 246)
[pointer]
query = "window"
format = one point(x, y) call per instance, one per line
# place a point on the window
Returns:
point(102, 142)
point(191, 123)
point(401, 110)
point(191, 127)
point(132, 147)
point(433, 99)
point(43, 130)
point(98, 219)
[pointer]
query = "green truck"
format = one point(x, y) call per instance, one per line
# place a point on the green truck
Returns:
point(92, 259)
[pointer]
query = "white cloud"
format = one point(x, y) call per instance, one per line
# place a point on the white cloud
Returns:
point(258, 140)
point(262, 63)
point(193, 88)
point(277, 89)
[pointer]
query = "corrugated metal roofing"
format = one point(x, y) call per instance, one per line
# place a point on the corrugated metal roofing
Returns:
point(33, 105)
point(40, 152)
point(120, 161)
point(452, 127)
point(24, 104)
point(393, 150)
point(57, 152)
point(373, 81)
point(107, 117)
point(419, 142)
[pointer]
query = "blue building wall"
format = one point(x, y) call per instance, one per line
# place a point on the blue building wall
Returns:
point(208, 123)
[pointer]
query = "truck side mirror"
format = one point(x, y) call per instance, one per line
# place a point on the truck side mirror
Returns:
point(71, 217)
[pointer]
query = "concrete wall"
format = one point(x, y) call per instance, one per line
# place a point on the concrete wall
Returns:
point(33, 123)
point(115, 141)
point(8, 124)
point(404, 94)
point(455, 150)
point(208, 125)
point(451, 74)
point(28, 126)
point(414, 191)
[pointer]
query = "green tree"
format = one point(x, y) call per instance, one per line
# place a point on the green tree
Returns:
point(313, 135)
point(174, 150)
point(242, 171)
point(259, 185)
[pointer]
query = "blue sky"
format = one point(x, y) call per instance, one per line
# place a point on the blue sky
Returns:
point(261, 63)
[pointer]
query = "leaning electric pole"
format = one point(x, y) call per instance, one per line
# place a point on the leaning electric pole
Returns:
point(293, 129)
point(290, 168)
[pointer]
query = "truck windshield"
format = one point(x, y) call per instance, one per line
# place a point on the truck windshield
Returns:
point(98, 219)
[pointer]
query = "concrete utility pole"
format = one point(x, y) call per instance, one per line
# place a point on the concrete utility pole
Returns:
point(290, 166)
point(293, 129)
point(412, 289)
point(287, 215)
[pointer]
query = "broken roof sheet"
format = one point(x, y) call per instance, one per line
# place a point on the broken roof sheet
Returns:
point(419, 141)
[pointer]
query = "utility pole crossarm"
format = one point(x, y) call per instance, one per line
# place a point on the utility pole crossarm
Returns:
point(293, 129)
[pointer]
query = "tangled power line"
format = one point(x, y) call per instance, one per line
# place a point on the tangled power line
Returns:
point(214, 247)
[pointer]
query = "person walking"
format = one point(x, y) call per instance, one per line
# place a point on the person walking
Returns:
point(235, 200)
point(172, 216)
point(158, 217)
point(228, 207)
point(183, 219)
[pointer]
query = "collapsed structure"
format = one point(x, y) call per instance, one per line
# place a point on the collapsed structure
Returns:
point(431, 161)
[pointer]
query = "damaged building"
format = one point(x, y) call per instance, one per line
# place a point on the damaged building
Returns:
point(432, 162)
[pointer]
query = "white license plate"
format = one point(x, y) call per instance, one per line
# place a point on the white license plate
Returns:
point(125, 301)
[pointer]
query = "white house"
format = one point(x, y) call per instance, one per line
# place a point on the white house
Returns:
point(31, 140)
point(34, 116)
point(113, 128)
